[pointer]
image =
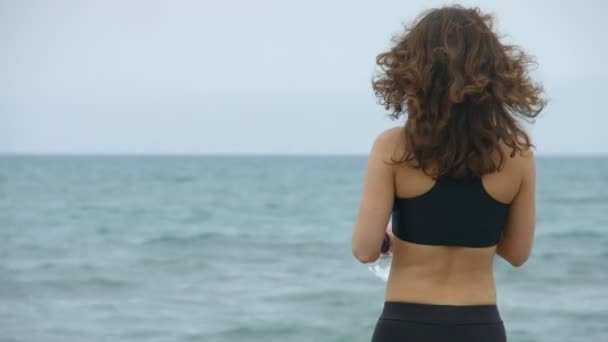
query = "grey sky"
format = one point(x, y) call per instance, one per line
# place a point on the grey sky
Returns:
point(257, 76)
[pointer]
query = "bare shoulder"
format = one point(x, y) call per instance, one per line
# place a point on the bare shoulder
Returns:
point(520, 161)
point(390, 142)
point(390, 135)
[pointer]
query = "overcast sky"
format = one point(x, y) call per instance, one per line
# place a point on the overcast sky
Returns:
point(209, 77)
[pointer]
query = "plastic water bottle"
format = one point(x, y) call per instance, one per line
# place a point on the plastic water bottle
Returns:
point(382, 267)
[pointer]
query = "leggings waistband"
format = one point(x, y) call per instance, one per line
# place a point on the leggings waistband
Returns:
point(439, 313)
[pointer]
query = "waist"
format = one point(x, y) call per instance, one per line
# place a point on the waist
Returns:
point(470, 288)
point(441, 313)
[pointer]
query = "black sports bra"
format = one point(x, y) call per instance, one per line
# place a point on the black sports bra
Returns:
point(452, 213)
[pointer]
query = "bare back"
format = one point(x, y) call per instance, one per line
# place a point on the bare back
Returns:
point(438, 273)
point(446, 274)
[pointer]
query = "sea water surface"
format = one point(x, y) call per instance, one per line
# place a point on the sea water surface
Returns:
point(226, 249)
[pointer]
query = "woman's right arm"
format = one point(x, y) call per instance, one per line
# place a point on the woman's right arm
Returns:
point(518, 235)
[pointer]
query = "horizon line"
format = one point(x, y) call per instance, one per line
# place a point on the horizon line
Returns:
point(245, 155)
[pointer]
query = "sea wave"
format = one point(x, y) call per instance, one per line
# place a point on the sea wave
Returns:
point(590, 234)
point(185, 240)
point(577, 200)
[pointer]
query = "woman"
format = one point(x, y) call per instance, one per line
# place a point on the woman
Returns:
point(458, 178)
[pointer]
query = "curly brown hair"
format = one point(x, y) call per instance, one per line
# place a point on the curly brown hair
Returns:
point(463, 91)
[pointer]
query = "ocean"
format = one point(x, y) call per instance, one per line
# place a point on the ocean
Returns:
point(255, 248)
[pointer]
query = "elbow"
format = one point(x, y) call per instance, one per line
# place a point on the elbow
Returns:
point(515, 259)
point(365, 257)
point(514, 254)
point(517, 262)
